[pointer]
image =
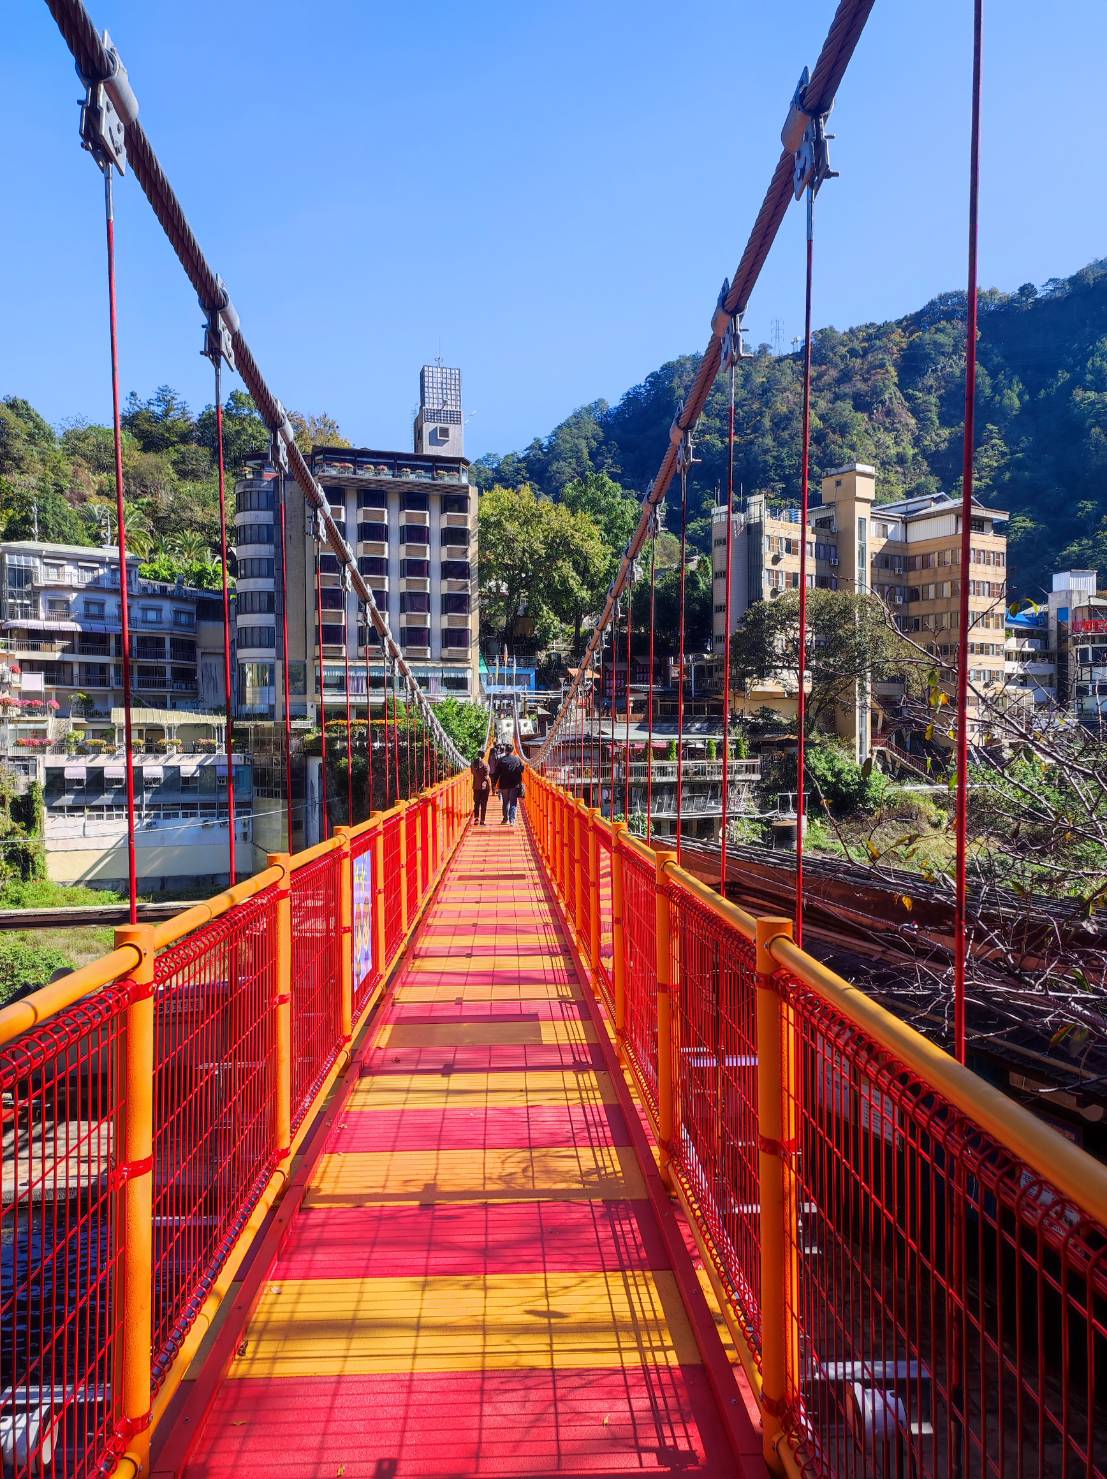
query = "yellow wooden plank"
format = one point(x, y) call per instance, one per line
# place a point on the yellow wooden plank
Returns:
point(470, 1034)
point(553, 1321)
point(497, 991)
point(465, 1090)
point(563, 1172)
point(506, 960)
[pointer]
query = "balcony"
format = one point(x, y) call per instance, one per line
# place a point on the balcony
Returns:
point(415, 583)
point(456, 521)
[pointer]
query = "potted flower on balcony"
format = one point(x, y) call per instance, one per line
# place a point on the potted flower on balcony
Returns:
point(74, 742)
point(205, 747)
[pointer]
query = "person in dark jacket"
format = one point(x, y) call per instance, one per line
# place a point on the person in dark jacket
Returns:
point(509, 783)
point(482, 789)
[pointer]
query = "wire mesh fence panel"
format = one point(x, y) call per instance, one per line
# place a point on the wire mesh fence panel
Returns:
point(317, 943)
point(640, 943)
point(61, 1242)
point(367, 968)
point(393, 884)
point(214, 1102)
point(413, 868)
point(607, 929)
point(947, 1308)
point(715, 1074)
point(582, 897)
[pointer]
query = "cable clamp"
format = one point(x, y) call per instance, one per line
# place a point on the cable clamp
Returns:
point(282, 999)
point(772, 1406)
point(686, 457)
point(128, 1170)
point(278, 450)
point(109, 105)
point(218, 342)
point(812, 158)
point(137, 991)
point(130, 1427)
point(733, 345)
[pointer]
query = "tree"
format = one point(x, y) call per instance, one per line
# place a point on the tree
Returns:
point(31, 511)
point(511, 527)
point(698, 616)
point(204, 571)
point(850, 639)
point(316, 431)
point(579, 567)
point(160, 423)
point(244, 432)
point(466, 724)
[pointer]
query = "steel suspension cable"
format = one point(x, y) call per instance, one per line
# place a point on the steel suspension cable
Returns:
point(322, 687)
point(121, 538)
point(726, 633)
point(97, 62)
point(812, 101)
point(680, 653)
point(649, 691)
point(960, 911)
point(282, 500)
point(228, 687)
point(805, 493)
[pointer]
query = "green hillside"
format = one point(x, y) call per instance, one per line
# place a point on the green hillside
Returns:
point(893, 394)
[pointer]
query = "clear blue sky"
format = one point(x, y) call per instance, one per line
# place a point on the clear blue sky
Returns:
point(548, 194)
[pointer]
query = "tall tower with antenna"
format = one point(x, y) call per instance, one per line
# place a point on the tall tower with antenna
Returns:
point(439, 425)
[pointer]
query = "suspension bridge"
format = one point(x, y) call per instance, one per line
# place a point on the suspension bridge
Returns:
point(442, 1150)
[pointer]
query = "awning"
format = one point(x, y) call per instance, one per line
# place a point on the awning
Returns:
point(75, 772)
point(168, 717)
point(37, 624)
point(189, 767)
point(115, 772)
point(153, 772)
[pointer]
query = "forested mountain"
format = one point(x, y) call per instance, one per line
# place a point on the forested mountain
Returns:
point(892, 394)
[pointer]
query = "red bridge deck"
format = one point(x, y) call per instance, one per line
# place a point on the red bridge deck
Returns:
point(477, 1282)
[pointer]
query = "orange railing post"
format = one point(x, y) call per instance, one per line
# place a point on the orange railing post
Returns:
point(346, 930)
point(619, 939)
point(778, 1210)
point(282, 1007)
point(136, 1165)
point(666, 984)
point(593, 822)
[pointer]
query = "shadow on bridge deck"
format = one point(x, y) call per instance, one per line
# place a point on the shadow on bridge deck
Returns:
point(482, 1277)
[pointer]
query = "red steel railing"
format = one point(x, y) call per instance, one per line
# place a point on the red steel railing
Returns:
point(913, 1267)
point(151, 1104)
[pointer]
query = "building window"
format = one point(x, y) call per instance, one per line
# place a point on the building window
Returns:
point(417, 502)
point(255, 500)
point(249, 602)
point(455, 503)
point(151, 615)
point(54, 572)
point(455, 637)
point(333, 599)
point(455, 603)
point(254, 568)
point(250, 638)
point(415, 569)
point(333, 635)
point(381, 599)
point(417, 534)
point(455, 569)
point(57, 606)
point(373, 564)
point(328, 564)
point(415, 601)
point(416, 636)
point(454, 536)
point(372, 533)
point(94, 610)
point(184, 619)
point(372, 498)
point(255, 533)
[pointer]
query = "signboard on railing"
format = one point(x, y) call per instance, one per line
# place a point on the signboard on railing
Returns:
point(1090, 626)
point(363, 916)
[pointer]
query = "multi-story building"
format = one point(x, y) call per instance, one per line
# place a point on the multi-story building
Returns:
point(1077, 614)
point(410, 518)
point(61, 701)
point(1030, 659)
point(907, 552)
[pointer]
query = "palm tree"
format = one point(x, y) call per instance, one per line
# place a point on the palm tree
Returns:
point(190, 547)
